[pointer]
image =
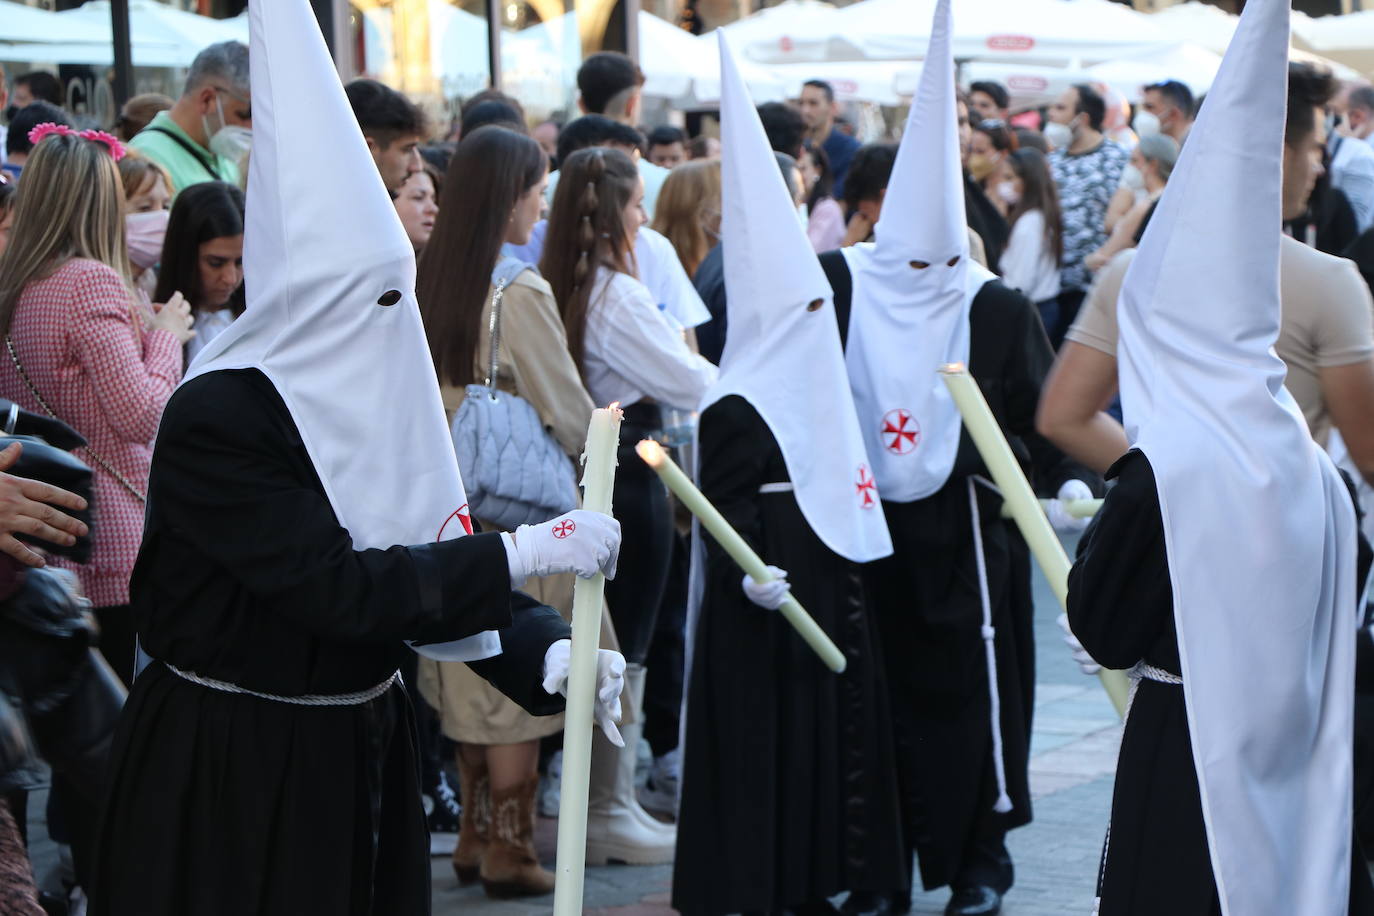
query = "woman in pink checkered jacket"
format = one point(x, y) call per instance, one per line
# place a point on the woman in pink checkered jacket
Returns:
point(80, 349)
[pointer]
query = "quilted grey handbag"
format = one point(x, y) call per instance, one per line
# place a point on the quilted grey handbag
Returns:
point(514, 471)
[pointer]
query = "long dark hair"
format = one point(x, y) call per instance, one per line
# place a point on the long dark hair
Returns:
point(491, 169)
point(202, 212)
point(587, 232)
point(825, 183)
point(1038, 193)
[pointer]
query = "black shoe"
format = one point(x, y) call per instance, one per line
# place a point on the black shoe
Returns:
point(978, 900)
point(867, 903)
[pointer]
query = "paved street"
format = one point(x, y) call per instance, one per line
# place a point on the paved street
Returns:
point(1073, 759)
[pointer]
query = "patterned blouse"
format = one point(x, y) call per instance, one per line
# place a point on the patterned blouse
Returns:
point(79, 339)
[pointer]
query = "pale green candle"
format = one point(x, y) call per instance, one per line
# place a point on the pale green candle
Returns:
point(738, 549)
point(1020, 501)
point(598, 480)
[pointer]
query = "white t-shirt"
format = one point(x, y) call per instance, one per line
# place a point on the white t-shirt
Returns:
point(631, 351)
point(661, 270)
point(1027, 263)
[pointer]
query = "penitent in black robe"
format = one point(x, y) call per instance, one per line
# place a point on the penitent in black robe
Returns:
point(929, 612)
point(788, 786)
point(224, 804)
point(1121, 608)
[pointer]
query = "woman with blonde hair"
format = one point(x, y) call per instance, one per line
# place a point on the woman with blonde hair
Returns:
point(80, 349)
point(688, 211)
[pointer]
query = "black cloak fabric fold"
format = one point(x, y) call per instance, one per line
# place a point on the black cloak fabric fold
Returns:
point(788, 786)
point(223, 804)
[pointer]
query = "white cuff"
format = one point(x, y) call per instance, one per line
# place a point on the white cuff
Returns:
point(517, 568)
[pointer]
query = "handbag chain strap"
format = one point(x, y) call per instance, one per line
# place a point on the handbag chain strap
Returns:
point(105, 465)
point(494, 327)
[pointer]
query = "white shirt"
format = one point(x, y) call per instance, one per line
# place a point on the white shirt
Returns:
point(633, 352)
point(1027, 262)
point(208, 326)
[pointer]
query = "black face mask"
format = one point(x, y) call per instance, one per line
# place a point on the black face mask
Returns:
point(10, 112)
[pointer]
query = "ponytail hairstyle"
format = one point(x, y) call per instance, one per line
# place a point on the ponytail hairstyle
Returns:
point(587, 232)
point(490, 170)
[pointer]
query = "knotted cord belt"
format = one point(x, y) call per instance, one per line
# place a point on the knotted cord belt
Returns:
point(310, 699)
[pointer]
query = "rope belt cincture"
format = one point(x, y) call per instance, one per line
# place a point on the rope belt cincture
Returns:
point(357, 698)
point(1140, 672)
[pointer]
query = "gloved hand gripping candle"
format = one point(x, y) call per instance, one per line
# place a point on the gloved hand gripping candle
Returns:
point(738, 549)
point(1020, 499)
point(598, 480)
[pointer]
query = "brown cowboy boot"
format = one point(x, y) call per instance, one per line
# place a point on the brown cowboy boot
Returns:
point(510, 867)
point(474, 823)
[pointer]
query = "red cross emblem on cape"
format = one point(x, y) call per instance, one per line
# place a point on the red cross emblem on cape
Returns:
point(868, 489)
point(900, 433)
point(463, 517)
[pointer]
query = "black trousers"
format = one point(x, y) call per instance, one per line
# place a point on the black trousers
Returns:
point(667, 655)
point(1070, 301)
point(646, 527)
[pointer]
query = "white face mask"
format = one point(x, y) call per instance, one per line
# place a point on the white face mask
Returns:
point(1146, 124)
point(804, 213)
point(229, 141)
point(1007, 191)
point(1058, 136)
point(1132, 178)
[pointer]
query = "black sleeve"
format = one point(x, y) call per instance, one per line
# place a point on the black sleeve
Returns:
point(1029, 359)
point(842, 283)
point(231, 479)
point(518, 671)
point(733, 467)
point(1120, 602)
point(709, 281)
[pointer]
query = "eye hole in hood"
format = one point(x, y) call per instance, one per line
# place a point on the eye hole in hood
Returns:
point(390, 297)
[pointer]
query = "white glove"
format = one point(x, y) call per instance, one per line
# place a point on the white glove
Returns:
point(768, 595)
point(1080, 654)
point(581, 542)
point(610, 680)
point(1059, 515)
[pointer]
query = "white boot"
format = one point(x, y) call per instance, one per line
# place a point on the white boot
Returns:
point(618, 829)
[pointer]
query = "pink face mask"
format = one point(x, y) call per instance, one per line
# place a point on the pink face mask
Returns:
point(146, 232)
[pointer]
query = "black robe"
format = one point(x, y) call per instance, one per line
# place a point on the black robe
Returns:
point(223, 804)
point(789, 789)
point(1121, 608)
point(929, 612)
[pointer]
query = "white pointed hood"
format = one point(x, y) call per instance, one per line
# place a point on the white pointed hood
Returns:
point(783, 353)
point(331, 316)
point(912, 291)
point(1259, 529)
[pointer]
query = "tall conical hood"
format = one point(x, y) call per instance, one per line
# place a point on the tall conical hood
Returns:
point(912, 291)
point(1259, 529)
point(923, 213)
point(331, 316)
point(783, 352)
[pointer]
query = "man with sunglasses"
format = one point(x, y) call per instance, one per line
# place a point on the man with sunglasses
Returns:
point(206, 135)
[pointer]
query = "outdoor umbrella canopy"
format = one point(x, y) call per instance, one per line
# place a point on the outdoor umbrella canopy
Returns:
point(25, 24)
point(1345, 39)
point(1045, 31)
